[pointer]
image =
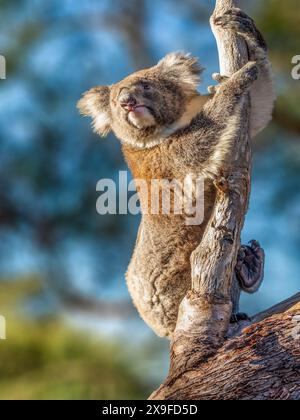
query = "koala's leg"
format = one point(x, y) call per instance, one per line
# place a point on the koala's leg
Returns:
point(262, 92)
point(249, 274)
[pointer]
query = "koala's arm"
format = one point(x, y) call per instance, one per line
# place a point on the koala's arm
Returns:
point(262, 92)
point(223, 110)
point(230, 94)
point(221, 123)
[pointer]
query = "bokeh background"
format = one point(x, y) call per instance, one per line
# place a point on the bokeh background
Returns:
point(71, 329)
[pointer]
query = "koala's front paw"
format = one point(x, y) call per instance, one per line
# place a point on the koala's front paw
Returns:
point(218, 78)
point(238, 21)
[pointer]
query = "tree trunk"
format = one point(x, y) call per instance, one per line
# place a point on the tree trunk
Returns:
point(205, 363)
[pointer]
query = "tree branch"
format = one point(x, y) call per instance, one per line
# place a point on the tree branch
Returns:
point(263, 363)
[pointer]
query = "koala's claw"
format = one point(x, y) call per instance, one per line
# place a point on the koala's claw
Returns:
point(254, 244)
point(250, 266)
point(241, 316)
point(236, 20)
point(239, 25)
point(238, 12)
point(219, 78)
point(212, 89)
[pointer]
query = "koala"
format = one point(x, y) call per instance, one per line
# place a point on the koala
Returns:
point(167, 130)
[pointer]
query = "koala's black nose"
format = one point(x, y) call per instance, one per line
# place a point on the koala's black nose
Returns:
point(127, 101)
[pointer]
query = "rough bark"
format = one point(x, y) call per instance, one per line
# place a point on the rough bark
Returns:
point(204, 362)
point(263, 363)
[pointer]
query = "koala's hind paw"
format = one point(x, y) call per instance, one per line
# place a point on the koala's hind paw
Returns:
point(250, 267)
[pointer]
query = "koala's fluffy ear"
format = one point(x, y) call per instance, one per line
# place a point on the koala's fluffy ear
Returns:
point(182, 67)
point(95, 103)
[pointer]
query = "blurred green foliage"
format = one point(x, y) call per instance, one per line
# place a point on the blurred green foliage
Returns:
point(45, 359)
point(280, 23)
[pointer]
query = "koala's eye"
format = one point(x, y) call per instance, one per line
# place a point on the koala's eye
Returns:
point(146, 86)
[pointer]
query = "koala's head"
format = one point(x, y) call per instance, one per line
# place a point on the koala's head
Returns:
point(145, 106)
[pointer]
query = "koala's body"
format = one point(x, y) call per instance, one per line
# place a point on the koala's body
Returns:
point(168, 130)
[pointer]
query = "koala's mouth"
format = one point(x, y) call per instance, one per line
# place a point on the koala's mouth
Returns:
point(139, 109)
point(140, 116)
